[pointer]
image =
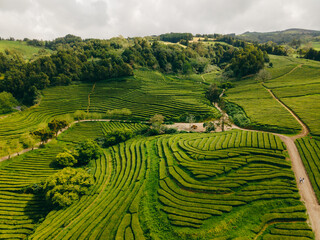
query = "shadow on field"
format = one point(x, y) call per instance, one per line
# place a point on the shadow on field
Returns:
point(37, 208)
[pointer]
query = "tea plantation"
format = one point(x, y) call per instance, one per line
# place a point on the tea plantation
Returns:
point(180, 186)
point(295, 82)
point(146, 94)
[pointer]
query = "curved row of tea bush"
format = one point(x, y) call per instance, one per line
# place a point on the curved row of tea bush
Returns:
point(205, 181)
point(309, 150)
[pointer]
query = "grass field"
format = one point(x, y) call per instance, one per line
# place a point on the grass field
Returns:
point(301, 88)
point(263, 111)
point(314, 45)
point(296, 82)
point(28, 52)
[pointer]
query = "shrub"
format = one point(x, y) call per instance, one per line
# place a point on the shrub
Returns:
point(86, 151)
point(118, 113)
point(237, 115)
point(117, 136)
point(152, 132)
point(66, 186)
point(210, 126)
point(56, 125)
point(7, 102)
point(65, 159)
point(80, 115)
point(170, 130)
point(44, 134)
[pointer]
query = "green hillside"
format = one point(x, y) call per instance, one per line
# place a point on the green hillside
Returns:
point(295, 82)
point(280, 37)
point(230, 169)
point(26, 51)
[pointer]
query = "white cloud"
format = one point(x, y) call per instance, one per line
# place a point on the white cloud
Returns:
point(47, 19)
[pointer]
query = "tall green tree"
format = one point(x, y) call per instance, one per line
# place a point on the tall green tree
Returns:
point(213, 93)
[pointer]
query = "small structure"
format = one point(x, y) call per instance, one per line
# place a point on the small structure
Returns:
point(194, 127)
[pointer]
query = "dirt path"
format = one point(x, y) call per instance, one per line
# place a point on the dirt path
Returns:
point(305, 130)
point(306, 191)
point(292, 70)
point(92, 91)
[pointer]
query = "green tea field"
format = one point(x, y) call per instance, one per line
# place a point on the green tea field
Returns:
point(146, 94)
point(183, 186)
point(295, 82)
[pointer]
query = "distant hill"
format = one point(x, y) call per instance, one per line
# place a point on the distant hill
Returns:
point(281, 37)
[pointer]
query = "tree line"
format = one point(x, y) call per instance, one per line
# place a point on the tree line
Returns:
point(94, 60)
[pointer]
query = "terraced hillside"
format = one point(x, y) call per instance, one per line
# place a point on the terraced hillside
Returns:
point(182, 186)
point(152, 93)
point(20, 211)
point(229, 185)
point(146, 94)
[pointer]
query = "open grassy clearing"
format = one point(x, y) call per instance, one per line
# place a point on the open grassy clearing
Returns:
point(314, 45)
point(28, 52)
point(282, 65)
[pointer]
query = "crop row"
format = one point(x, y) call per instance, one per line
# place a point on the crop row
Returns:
point(111, 209)
point(309, 150)
point(237, 139)
point(192, 190)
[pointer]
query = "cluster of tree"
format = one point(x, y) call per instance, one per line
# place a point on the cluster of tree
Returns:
point(269, 47)
point(213, 93)
point(24, 80)
point(53, 128)
point(232, 41)
point(295, 43)
point(85, 152)
point(215, 35)
point(176, 37)
point(66, 186)
point(117, 136)
point(246, 61)
point(118, 113)
point(167, 58)
point(312, 54)
point(273, 48)
point(7, 102)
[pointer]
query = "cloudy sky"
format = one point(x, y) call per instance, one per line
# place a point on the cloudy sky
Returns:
point(48, 19)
